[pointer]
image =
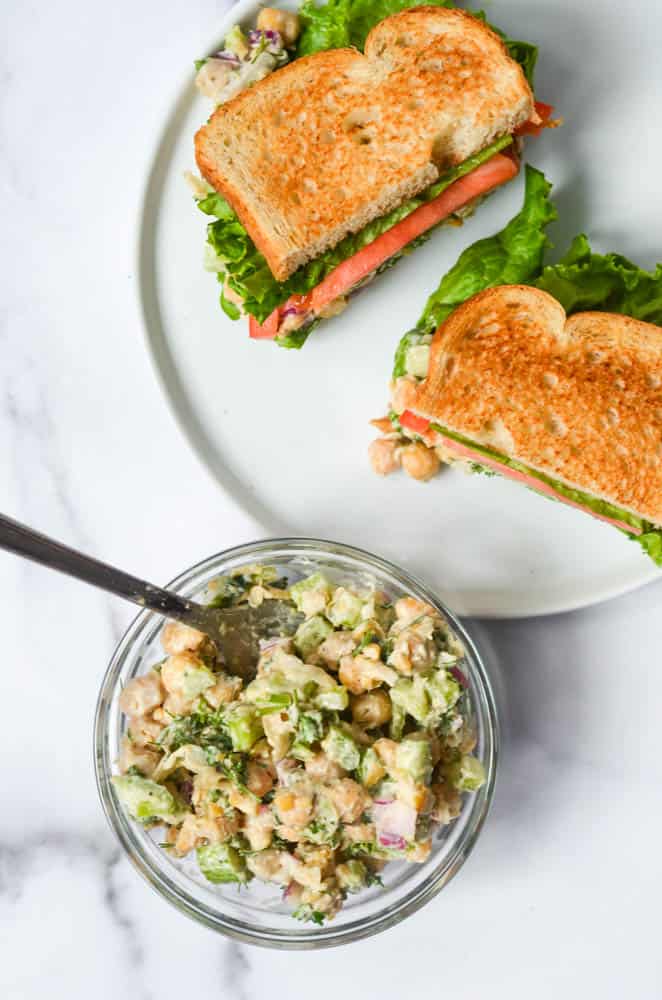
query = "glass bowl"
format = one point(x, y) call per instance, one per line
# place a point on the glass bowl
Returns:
point(257, 914)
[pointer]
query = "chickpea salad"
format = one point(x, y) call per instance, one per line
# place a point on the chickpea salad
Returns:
point(349, 748)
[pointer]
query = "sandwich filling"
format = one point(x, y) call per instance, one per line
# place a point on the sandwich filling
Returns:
point(485, 458)
point(301, 311)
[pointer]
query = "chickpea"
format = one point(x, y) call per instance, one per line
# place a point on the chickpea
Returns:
point(203, 783)
point(143, 730)
point(408, 608)
point(291, 834)
point(294, 808)
point(175, 705)
point(447, 803)
point(142, 695)
point(319, 855)
point(196, 830)
point(177, 638)
point(313, 602)
point(242, 801)
point(384, 455)
point(283, 21)
point(358, 833)
point(259, 779)
point(383, 425)
point(403, 393)
point(420, 851)
point(322, 768)
point(258, 829)
point(469, 739)
point(269, 865)
point(371, 709)
point(176, 670)
point(328, 901)
point(337, 645)
point(349, 798)
point(212, 79)
point(420, 462)
point(225, 690)
point(133, 756)
point(364, 673)
point(303, 874)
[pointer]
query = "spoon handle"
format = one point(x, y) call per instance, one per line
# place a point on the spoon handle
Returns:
point(23, 541)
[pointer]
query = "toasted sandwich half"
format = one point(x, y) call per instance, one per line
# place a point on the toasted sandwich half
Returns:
point(551, 376)
point(331, 168)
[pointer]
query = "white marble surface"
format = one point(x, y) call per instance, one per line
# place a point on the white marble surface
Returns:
point(561, 895)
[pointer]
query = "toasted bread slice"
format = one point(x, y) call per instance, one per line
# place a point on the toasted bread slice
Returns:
point(578, 399)
point(334, 140)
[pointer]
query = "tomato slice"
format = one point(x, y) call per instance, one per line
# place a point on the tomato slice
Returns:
point(419, 425)
point(544, 111)
point(496, 171)
point(267, 330)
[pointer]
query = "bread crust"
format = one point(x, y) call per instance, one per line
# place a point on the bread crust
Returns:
point(578, 398)
point(334, 140)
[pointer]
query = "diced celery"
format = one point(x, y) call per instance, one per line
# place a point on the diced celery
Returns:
point(345, 608)
point(352, 875)
point(316, 582)
point(311, 634)
point(341, 747)
point(417, 360)
point(466, 774)
point(244, 726)
point(334, 700)
point(190, 756)
point(411, 695)
point(195, 680)
point(221, 863)
point(324, 824)
point(443, 690)
point(414, 758)
point(236, 42)
point(144, 799)
point(310, 727)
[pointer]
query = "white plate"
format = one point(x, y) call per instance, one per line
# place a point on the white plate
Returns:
point(286, 432)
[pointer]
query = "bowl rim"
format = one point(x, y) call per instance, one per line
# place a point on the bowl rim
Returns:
point(295, 939)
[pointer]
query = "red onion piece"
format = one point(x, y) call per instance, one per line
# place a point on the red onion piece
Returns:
point(392, 840)
point(459, 676)
point(395, 819)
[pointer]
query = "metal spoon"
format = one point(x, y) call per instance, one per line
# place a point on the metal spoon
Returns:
point(236, 631)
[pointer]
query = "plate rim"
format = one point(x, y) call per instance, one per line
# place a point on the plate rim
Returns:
point(176, 398)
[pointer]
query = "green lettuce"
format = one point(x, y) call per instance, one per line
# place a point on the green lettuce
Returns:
point(585, 280)
point(249, 275)
point(339, 24)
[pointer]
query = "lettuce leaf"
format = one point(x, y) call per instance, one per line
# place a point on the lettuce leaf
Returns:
point(342, 23)
point(247, 270)
point(585, 280)
point(338, 24)
point(513, 256)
